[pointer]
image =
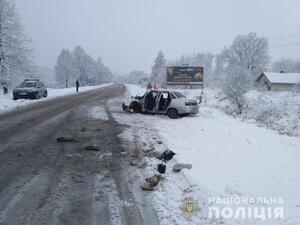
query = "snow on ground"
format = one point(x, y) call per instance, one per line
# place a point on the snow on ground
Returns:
point(7, 102)
point(230, 158)
point(278, 111)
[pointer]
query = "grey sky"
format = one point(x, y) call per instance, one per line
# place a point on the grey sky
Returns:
point(127, 34)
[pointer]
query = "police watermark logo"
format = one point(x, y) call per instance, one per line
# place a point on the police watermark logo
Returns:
point(246, 208)
point(190, 206)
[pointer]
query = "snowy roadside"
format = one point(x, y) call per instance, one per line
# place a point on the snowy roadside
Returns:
point(279, 111)
point(230, 158)
point(7, 102)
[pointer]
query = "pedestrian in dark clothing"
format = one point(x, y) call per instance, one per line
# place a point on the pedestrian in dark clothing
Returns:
point(77, 85)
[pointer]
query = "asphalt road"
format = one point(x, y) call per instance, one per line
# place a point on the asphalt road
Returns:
point(46, 182)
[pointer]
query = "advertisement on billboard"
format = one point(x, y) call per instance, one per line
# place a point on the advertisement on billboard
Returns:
point(183, 75)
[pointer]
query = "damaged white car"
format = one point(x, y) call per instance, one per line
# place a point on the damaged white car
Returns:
point(171, 103)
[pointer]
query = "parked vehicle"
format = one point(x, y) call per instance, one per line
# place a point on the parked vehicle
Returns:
point(30, 89)
point(171, 103)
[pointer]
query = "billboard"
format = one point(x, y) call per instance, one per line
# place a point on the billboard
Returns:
point(182, 75)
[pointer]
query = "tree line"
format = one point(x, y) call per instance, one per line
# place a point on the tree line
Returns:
point(78, 65)
point(234, 70)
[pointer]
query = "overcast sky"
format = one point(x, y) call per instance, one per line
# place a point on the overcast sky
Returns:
point(127, 34)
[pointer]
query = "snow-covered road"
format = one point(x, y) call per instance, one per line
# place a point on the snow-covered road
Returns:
point(230, 158)
point(7, 102)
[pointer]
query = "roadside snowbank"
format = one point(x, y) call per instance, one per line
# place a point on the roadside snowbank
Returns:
point(230, 158)
point(7, 102)
point(278, 111)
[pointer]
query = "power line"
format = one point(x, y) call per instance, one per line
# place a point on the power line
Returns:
point(286, 45)
point(284, 36)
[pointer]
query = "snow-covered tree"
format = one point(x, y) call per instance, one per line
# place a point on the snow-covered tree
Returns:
point(85, 66)
point(64, 68)
point(249, 51)
point(15, 56)
point(103, 74)
point(158, 73)
point(242, 62)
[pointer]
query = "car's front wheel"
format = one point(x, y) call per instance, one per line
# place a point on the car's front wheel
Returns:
point(36, 95)
point(173, 113)
point(45, 94)
point(136, 107)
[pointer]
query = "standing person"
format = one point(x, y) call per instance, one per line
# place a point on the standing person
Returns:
point(77, 85)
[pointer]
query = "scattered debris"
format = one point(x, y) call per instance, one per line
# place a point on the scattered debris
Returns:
point(154, 180)
point(143, 165)
point(84, 129)
point(159, 142)
point(179, 166)
point(98, 129)
point(64, 139)
point(92, 148)
point(151, 182)
point(133, 163)
point(166, 155)
point(147, 187)
point(161, 168)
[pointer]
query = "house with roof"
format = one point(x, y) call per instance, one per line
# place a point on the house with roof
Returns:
point(278, 81)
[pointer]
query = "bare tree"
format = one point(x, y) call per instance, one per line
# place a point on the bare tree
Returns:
point(15, 55)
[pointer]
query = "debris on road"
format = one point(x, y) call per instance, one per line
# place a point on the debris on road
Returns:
point(166, 155)
point(179, 166)
point(151, 182)
point(133, 163)
point(147, 187)
point(83, 129)
point(64, 139)
point(161, 168)
point(154, 180)
point(160, 142)
point(92, 148)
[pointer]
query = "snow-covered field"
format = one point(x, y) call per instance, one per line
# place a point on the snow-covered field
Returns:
point(7, 102)
point(230, 158)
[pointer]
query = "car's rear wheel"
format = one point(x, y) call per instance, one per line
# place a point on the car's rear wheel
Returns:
point(15, 98)
point(172, 113)
point(136, 107)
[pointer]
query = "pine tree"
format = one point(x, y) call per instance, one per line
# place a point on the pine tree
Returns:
point(158, 74)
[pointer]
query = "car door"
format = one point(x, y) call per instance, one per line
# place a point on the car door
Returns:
point(163, 101)
point(149, 103)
